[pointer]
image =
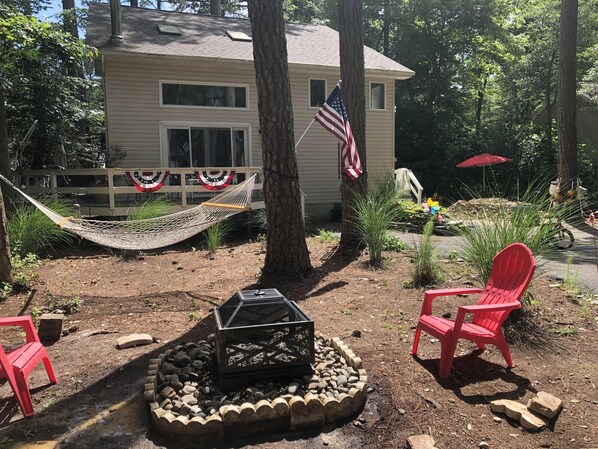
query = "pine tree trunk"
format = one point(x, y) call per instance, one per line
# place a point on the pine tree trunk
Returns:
point(4, 154)
point(286, 249)
point(215, 7)
point(566, 104)
point(70, 18)
point(353, 90)
point(5, 266)
point(386, 28)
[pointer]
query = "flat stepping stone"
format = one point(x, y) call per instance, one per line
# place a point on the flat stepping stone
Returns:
point(132, 340)
point(545, 404)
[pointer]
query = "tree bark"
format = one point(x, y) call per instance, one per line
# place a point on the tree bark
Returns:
point(386, 28)
point(479, 104)
point(566, 104)
point(286, 249)
point(215, 7)
point(353, 89)
point(134, 3)
point(70, 18)
point(4, 154)
point(5, 265)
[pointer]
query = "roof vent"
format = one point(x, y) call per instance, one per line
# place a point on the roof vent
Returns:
point(169, 30)
point(238, 36)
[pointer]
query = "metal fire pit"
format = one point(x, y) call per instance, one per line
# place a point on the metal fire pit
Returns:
point(262, 335)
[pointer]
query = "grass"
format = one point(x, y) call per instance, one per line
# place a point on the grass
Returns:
point(154, 207)
point(30, 231)
point(426, 270)
point(216, 234)
point(374, 213)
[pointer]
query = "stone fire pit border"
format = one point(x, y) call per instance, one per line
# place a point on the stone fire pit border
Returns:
point(299, 413)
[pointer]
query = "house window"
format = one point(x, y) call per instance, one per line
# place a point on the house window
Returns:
point(191, 146)
point(317, 93)
point(174, 94)
point(377, 96)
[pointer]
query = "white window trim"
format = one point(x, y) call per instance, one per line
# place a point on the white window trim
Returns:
point(203, 83)
point(371, 98)
point(164, 125)
point(309, 80)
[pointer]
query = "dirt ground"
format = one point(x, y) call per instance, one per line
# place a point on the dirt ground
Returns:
point(170, 295)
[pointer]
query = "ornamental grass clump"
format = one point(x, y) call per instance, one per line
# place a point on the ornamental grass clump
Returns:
point(154, 207)
point(30, 231)
point(532, 223)
point(374, 213)
point(216, 234)
point(426, 270)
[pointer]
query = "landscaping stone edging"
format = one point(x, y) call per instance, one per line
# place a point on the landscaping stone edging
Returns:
point(299, 413)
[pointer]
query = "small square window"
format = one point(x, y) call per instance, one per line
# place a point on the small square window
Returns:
point(317, 93)
point(377, 96)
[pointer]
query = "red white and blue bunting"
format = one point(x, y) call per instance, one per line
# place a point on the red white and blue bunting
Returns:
point(148, 181)
point(215, 180)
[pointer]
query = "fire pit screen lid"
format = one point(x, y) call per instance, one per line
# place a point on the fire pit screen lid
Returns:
point(245, 303)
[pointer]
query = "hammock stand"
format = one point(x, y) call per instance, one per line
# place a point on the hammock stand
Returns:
point(156, 232)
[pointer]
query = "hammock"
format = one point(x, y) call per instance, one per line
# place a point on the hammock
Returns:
point(157, 232)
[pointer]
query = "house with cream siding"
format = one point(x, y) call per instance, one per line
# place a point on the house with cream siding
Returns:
point(180, 92)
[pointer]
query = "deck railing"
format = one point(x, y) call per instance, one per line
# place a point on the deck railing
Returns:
point(110, 192)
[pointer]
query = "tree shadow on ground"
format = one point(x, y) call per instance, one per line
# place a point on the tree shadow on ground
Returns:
point(301, 289)
point(471, 369)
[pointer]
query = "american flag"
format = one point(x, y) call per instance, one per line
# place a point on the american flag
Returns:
point(333, 116)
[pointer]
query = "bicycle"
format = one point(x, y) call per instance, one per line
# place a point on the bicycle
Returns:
point(561, 237)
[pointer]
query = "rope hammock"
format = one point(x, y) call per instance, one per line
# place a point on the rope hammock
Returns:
point(156, 232)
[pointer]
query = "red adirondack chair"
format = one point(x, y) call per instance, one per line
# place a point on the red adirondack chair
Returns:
point(18, 364)
point(512, 271)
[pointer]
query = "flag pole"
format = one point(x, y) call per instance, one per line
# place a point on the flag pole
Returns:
point(312, 122)
point(304, 133)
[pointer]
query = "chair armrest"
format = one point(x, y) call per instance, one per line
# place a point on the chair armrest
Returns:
point(491, 307)
point(22, 321)
point(464, 310)
point(431, 295)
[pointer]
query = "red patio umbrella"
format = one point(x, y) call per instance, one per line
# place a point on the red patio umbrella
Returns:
point(482, 160)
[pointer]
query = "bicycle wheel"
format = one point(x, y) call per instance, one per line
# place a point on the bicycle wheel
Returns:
point(563, 238)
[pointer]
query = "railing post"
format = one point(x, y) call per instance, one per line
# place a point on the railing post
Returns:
point(183, 190)
point(111, 200)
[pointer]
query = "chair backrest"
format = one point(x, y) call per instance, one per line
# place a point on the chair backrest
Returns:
point(512, 271)
point(7, 370)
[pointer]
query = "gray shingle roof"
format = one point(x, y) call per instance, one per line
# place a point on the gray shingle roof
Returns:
point(205, 37)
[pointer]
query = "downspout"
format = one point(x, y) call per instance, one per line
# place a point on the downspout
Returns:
point(116, 38)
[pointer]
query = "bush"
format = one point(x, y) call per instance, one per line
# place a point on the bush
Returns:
point(30, 231)
point(374, 213)
point(426, 270)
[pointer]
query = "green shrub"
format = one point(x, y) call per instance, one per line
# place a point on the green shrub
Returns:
point(393, 243)
point(426, 271)
point(216, 234)
point(325, 236)
point(68, 306)
point(30, 231)
point(374, 212)
point(5, 290)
